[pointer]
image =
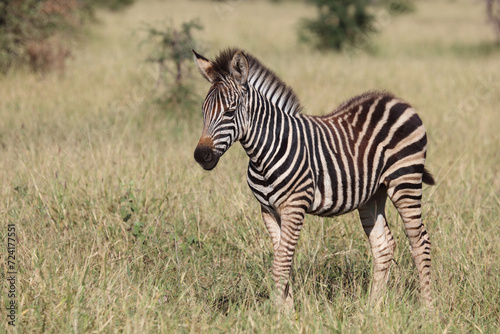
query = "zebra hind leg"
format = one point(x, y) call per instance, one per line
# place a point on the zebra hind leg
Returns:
point(406, 194)
point(382, 244)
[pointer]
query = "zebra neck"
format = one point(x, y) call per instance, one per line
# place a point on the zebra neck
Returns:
point(267, 123)
point(272, 88)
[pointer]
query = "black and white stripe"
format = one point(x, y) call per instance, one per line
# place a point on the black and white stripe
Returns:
point(370, 148)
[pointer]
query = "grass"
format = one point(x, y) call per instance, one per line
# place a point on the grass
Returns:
point(119, 230)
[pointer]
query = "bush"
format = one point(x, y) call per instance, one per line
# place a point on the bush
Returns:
point(38, 32)
point(339, 23)
point(28, 32)
point(171, 49)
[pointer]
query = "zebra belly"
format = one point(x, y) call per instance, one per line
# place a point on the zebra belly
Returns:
point(328, 206)
point(325, 206)
point(331, 202)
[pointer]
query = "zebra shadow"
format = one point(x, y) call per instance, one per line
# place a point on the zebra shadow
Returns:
point(250, 287)
point(351, 278)
point(346, 277)
point(331, 280)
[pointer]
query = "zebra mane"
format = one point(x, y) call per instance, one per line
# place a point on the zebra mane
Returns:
point(262, 79)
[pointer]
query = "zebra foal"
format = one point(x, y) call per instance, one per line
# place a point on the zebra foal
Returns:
point(371, 147)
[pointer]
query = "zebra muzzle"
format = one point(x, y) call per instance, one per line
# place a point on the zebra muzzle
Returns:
point(206, 157)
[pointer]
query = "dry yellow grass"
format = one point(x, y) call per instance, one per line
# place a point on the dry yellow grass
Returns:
point(81, 151)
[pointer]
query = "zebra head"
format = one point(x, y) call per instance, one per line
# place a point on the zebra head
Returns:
point(224, 108)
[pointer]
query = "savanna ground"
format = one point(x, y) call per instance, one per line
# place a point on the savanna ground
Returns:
point(119, 230)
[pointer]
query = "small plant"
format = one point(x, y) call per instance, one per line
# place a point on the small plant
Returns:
point(339, 23)
point(128, 204)
point(137, 230)
point(171, 52)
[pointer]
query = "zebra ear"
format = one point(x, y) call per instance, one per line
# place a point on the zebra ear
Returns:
point(204, 66)
point(239, 68)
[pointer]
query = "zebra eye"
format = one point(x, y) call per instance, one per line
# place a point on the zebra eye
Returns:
point(229, 112)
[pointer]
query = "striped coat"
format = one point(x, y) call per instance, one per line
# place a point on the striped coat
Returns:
point(370, 148)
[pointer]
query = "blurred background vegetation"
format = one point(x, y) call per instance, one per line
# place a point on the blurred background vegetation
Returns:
point(40, 33)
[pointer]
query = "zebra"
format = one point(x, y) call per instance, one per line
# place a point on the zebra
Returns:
point(371, 147)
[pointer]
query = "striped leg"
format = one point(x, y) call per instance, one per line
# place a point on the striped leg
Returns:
point(372, 216)
point(273, 225)
point(406, 194)
point(291, 219)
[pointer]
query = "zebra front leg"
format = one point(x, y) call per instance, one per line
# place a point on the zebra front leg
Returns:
point(291, 219)
point(382, 244)
point(273, 225)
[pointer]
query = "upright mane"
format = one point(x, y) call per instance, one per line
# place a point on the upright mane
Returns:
point(262, 79)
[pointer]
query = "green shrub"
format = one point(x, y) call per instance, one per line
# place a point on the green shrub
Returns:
point(28, 30)
point(171, 51)
point(339, 23)
point(38, 32)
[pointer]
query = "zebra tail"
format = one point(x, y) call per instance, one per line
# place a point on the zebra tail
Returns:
point(427, 178)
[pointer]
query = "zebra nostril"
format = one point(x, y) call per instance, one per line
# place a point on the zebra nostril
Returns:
point(208, 156)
